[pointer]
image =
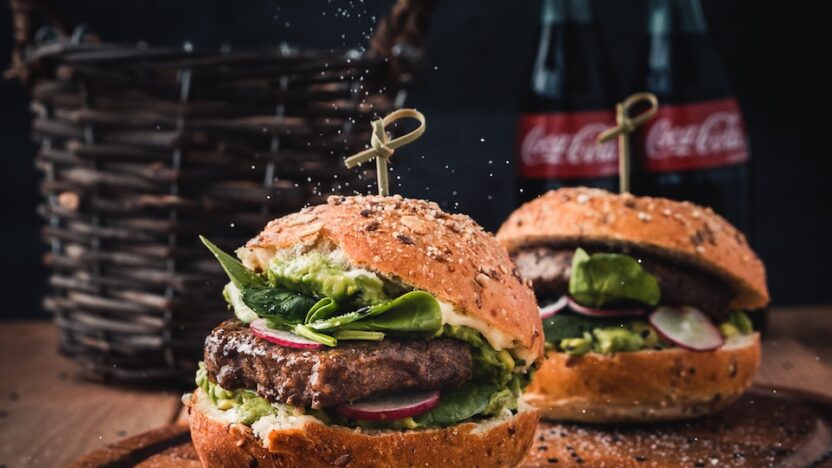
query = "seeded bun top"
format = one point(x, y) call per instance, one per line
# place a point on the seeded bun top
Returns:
point(679, 231)
point(415, 242)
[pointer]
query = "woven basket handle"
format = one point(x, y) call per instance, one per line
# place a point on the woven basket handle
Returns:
point(404, 25)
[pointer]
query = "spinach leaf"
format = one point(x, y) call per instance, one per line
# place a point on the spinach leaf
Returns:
point(416, 312)
point(606, 278)
point(568, 325)
point(337, 322)
point(279, 323)
point(459, 404)
point(324, 308)
point(288, 305)
point(308, 333)
point(241, 276)
point(358, 335)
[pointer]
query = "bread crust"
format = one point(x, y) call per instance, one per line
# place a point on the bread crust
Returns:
point(643, 386)
point(680, 231)
point(313, 444)
point(448, 255)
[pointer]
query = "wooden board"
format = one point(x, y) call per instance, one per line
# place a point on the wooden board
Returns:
point(767, 427)
point(168, 446)
point(50, 416)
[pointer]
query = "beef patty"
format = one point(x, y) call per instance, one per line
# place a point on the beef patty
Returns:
point(549, 268)
point(328, 377)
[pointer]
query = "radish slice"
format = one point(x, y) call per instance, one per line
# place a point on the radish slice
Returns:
point(593, 312)
point(687, 328)
point(260, 329)
point(391, 407)
point(553, 308)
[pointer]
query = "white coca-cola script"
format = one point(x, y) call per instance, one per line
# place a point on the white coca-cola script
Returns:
point(720, 132)
point(569, 149)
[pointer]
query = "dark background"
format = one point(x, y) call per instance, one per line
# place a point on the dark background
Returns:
point(776, 54)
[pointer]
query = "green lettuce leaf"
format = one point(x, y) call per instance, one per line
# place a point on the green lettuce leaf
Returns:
point(337, 322)
point(292, 303)
point(308, 333)
point(577, 334)
point(323, 309)
point(358, 335)
point(414, 313)
point(241, 276)
point(565, 325)
point(607, 278)
point(288, 305)
point(458, 404)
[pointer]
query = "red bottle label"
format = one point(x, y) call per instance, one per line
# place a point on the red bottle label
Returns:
point(563, 145)
point(694, 136)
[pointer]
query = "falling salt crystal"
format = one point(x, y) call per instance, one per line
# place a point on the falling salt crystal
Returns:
point(482, 140)
point(232, 225)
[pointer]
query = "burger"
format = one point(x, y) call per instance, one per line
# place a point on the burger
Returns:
point(369, 331)
point(643, 302)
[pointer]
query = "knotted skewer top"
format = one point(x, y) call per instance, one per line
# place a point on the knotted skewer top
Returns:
point(382, 147)
point(624, 126)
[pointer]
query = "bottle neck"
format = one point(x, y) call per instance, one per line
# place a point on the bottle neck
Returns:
point(565, 11)
point(666, 16)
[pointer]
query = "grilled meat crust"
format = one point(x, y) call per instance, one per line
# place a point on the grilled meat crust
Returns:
point(328, 377)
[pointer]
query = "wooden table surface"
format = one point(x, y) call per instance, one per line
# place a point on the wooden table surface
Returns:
point(50, 416)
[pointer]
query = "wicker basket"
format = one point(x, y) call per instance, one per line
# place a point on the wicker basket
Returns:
point(142, 149)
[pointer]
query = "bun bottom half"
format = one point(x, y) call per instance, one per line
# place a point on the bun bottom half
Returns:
point(644, 386)
point(492, 443)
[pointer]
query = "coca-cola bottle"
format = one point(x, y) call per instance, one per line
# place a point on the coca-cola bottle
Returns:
point(571, 101)
point(695, 148)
